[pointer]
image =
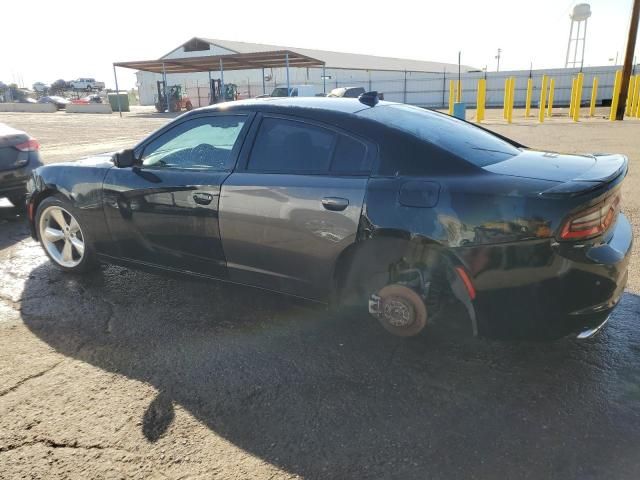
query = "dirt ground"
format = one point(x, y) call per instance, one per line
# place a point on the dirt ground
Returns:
point(125, 374)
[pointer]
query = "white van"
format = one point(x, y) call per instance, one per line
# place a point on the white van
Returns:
point(294, 91)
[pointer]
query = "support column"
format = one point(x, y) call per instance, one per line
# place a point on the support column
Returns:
point(166, 90)
point(117, 91)
point(324, 78)
point(286, 61)
point(264, 87)
point(222, 95)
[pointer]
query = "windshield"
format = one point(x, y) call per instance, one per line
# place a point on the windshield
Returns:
point(464, 140)
point(279, 92)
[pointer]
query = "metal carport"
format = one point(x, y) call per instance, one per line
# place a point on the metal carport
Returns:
point(209, 63)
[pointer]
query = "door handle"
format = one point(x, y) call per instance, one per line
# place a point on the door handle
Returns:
point(202, 198)
point(335, 204)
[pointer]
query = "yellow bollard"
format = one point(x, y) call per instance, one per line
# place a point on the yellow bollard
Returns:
point(552, 86)
point(630, 93)
point(513, 94)
point(573, 96)
point(578, 99)
point(636, 97)
point(594, 96)
point(506, 98)
point(451, 96)
point(480, 102)
point(511, 90)
point(616, 95)
point(459, 92)
point(527, 102)
point(543, 97)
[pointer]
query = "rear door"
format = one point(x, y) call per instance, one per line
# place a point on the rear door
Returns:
point(165, 212)
point(293, 205)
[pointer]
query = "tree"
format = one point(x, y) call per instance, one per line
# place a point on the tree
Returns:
point(59, 86)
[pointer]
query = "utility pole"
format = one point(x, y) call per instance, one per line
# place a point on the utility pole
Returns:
point(498, 58)
point(628, 59)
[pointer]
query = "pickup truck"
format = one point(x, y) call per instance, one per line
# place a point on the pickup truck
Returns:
point(86, 84)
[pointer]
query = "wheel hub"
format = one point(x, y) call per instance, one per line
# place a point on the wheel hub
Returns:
point(398, 312)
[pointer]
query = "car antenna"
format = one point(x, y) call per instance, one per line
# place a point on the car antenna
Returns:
point(369, 98)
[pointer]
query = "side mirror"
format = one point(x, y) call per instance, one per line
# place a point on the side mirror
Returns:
point(125, 158)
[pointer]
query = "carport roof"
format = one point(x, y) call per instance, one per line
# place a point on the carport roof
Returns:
point(235, 61)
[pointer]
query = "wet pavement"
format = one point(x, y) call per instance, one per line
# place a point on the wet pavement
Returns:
point(124, 373)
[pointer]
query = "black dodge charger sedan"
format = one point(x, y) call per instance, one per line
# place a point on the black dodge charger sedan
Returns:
point(354, 200)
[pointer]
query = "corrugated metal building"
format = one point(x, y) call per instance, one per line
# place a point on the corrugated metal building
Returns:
point(385, 74)
point(416, 82)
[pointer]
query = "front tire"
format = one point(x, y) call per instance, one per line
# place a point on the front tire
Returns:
point(64, 239)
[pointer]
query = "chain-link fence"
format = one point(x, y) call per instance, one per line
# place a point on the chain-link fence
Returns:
point(416, 88)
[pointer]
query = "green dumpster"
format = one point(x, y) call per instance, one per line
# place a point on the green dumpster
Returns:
point(124, 101)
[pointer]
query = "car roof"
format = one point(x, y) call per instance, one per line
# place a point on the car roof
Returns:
point(287, 104)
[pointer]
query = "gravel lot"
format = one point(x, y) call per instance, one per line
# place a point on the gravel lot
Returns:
point(123, 374)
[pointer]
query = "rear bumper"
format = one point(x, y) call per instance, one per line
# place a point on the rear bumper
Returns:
point(14, 181)
point(543, 289)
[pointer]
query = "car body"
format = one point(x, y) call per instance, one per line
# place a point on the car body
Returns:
point(86, 84)
point(349, 201)
point(346, 92)
point(294, 91)
point(26, 100)
point(88, 99)
point(60, 102)
point(19, 155)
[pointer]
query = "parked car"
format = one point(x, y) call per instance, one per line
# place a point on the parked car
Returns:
point(86, 84)
point(26, 100)
point(19, 155)
point(346, 92)
point(295, 91)
point(343, 201)
point(60, 102)
point(88, 99)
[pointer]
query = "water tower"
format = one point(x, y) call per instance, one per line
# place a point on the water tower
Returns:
point(575, 48)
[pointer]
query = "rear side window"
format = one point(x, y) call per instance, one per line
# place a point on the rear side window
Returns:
point(288, 146)
point(466, 141)
point(291, 147)
point(350, 156)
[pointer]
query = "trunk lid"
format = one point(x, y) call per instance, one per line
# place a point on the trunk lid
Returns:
point(574, 173)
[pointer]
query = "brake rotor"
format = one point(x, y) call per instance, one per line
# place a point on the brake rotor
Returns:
point(402, 311)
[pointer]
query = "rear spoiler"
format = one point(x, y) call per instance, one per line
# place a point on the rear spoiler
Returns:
point(608, 170)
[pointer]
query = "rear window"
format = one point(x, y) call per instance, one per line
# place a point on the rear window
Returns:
point(460, 138)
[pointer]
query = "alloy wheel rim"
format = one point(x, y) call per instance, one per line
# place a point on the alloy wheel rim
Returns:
point(62, 236)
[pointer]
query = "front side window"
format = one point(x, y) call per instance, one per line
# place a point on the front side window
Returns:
point(199, 144)
point(291, 147)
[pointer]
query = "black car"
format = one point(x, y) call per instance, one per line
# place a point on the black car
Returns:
point(60, 102)
point(345, 201)
point(19, 155)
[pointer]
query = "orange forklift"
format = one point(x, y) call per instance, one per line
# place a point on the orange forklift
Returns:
point(177, 101)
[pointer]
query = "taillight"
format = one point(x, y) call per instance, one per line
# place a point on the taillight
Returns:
point(592, 221)
point(30, 145)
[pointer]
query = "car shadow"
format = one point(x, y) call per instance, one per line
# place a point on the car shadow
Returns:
point(334, 396)
point(13, 226)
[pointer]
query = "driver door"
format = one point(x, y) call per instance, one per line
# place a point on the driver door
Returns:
point(165, 212)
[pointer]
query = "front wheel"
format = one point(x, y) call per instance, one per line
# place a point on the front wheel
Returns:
point(62, 236)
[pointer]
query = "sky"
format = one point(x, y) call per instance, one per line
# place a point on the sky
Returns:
point(84, 42)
